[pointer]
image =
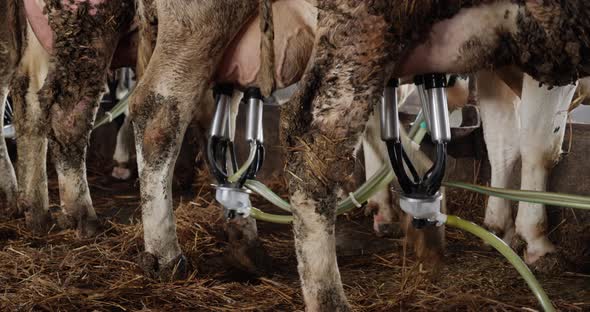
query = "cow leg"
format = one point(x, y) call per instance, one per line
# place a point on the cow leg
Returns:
point(543, 115)
point(71, 124)
point(29, 121)
point(123, 151)
point(72, 92)
point(191, 40)
point(497, 104)
point(375, 153)
point(8, 178)
point(322, 125)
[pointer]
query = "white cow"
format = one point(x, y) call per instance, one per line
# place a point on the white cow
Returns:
point(530, 128)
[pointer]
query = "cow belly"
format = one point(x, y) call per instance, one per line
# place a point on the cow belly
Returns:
point(295, 24)
point(462, 43)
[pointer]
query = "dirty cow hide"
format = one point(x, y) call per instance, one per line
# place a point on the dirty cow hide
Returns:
point(549, 39)
point(320, 126)
point(85, 37)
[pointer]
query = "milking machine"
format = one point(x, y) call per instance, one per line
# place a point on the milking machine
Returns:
point(421, 197)
point(221, 154)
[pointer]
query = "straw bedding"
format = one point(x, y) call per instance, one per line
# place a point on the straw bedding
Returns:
point(60, 272)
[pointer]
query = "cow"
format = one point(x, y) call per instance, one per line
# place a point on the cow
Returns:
point(57, 61)
point(357, 48)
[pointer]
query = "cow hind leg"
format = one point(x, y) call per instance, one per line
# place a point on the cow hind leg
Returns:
point(191, 41)
point(72, 93)
point(68, 140)
point(322, 125)
point(30, 119)
point(497, 104)
point(543, 115)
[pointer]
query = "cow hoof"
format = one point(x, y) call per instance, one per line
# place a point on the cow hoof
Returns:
point(84, 228)
point(39, 223)
point(251, 257)
point(10, 210)
point(553, 263)
point(518, 244)
point(87, 228)
point(121, 173)
point(65, 221)
point(176, 269)
point(507, 236)
point(390, 230)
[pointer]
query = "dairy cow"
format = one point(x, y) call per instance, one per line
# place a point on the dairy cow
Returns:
point(58, 56)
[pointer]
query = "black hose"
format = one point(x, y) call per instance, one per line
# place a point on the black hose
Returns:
point(435, 175)
point(398, 167)
point(410, 166)
point(212, 144)
point(255, 167)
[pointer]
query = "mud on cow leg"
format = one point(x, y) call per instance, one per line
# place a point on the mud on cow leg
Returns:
point(160, 123)
point(316, 170)
point(163, 104)
point(321, 125)
point(81, 57)
point(71, 120)
point(68, 149)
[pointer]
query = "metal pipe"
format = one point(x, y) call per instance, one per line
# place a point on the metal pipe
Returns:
point(254, 129)
point(424, 102)
point(434, 103)
point(220, 123)
point(440, 129)
point(388, 113)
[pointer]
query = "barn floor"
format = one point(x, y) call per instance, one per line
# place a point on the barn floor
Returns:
point(59, 272)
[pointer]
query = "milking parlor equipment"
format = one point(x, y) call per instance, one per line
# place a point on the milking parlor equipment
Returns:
point(221, 154)
point(421, 197)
